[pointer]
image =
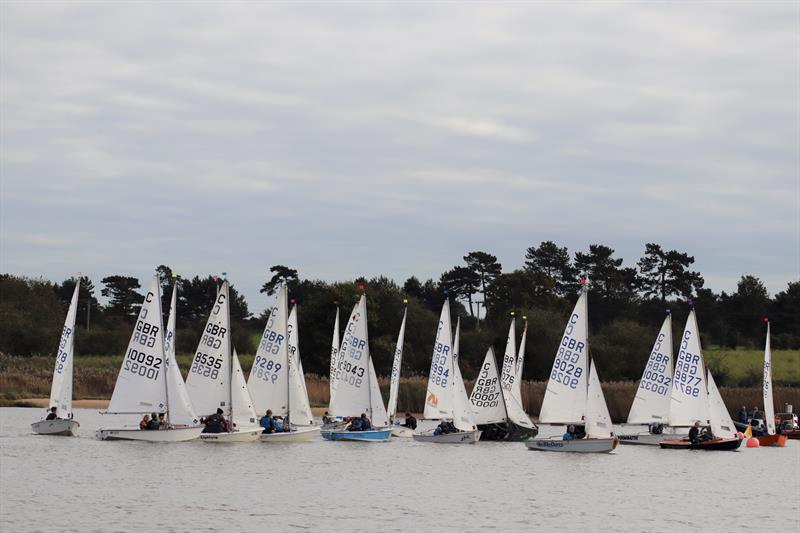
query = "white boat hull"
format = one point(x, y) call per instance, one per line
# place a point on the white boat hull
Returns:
point(645, 438)
point(402, 432)
point(150, 435)
point(247, 434)
point(588, 445)
point(461, 437)
point(303, 434)
point(59, 426)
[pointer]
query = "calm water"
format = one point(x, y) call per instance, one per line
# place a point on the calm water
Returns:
point(81, 484)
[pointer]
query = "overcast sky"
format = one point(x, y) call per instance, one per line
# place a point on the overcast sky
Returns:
point(361, 139)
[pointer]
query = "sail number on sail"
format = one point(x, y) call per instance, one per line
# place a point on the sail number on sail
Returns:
point(62, 352)
point(439, 367)
point(485, 393)
point(656, 375)
point(565, 370)
point(204, 364)
point(137, 360)
point(508, 373)
point(687, 369)
point(351, 371)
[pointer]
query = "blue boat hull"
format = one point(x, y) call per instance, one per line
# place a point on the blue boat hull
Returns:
point(372, 435)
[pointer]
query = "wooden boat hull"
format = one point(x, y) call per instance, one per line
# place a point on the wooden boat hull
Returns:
point(710, 445)
point(60, 426)
point(588, 445)
point(402, 432)
point(301, 434)
point(148, 435)
point(371, 435)
point(772, 440)
point(461, 437)
point(245, 434)
point(507, 432)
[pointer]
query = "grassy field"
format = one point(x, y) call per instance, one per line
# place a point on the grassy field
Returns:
point(95, 377)
point(744, 367)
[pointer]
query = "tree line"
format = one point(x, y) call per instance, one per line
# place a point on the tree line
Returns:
point(626, 307)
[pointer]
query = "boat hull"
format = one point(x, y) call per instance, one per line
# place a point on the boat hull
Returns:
point(245, 434)
point(710, 445)
point(507, 432)
point(643, 439)
point(146, 435)
point(461, 437)
point(60, 426)
point(791, 433)
point(588, 445)
point(305, 434)
point(371, 435)
point(402, 432)
point(772, 440)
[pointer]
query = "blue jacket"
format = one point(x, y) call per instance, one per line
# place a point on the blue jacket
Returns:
point(568, 436)
point(267, 423)
point(743, 416)
point(356, 425)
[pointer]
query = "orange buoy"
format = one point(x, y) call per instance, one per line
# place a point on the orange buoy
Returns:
point(752, 442)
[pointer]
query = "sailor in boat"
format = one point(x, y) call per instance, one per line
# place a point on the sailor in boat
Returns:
point(144, 422)
point(444, 428)
point(327, 419)
point(162, 422)
point(694, 433)
point(656, 428)
point(153, 423)
point(570, 434)
point(366, 423)
point(53, 414)
point(215, 423)
point(410, 422)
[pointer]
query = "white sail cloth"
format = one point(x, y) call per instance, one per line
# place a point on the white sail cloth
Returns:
point(688, 396)
point(61, 388)
point(181, 412)
point(769, 406)
point(652, 400)
point(394, 386)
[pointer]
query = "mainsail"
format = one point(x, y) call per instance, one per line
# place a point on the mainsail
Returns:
point(334, 353)
point(487, 398)
point(507, 378)
point(61, 388)
point(394, 386)
point(438, 397)
point(141, 383)
point(516, 388)
point(769, 406)
point(688, 396)
point(652, 400)
point(268, 381)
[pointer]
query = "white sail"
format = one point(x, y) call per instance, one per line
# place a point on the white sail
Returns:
point(377, 411)
point(141, 384)
point(565, 397)
point(439, 397)
point(209, 381)
point(516, 389)
point(769, 406)
point(352, 395)
point(334, 352)
point(268, 381)
point(299, 408)
point(244, 414)
point(688, 402)
point(339, 359)
point(598, 421)
point(463, 417)
point(719, 417)
point(651, 403)
point(61, 388)
point(179, 407)
point(394, 386)
point(487, 398)
point(516, 413)
point(509, 359)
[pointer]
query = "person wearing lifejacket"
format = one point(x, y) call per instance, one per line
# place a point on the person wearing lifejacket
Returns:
point(356, 424)
point(366, 423)
point(410, 422)
point(215, 423)
point(443, 428)
point(694, 433)
point(162, 422)
point(570, 434)
point(144, 421)
point(267, 422)
point(53, 414)
point(153, 424)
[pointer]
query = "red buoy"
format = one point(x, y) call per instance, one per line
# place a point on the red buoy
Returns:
point(740, 435)
point(752, 442)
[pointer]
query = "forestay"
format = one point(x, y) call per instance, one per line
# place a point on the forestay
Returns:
point(268, 382)
point(651, 403)
point(487, 398)
point(141, 383)
point(720, 419)
point(689, 391)
point(243, 412)
point(769, 406)
point(209, 381)
point(507, 371)
point(598, 421)
point(61, 388)
point(565, 397)
point(439, 396)
point(463, 417)
point(299, 408)
point(180, 411)
point(394, 386)
point(334, 352)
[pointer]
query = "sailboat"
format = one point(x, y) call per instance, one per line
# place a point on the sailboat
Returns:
point(356, 389)
point(61, 388)
point(497, 402)
point(694, 397)
point(446, 397)
point(216, 380)
point(769, 437)
point(652, 400)
point(574, 395)
point(146, 384)
point(276, 379)
point(394, 387)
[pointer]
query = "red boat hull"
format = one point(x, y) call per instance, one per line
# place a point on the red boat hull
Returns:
point(773, 440)
point(791, 433)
